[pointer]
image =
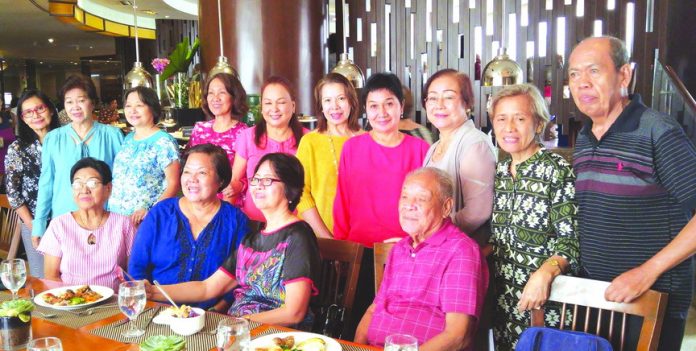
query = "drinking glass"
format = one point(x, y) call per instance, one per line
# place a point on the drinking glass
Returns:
point(400, 342)
point(45, 344)
point(131, 301)
point(233, 335)
point(13, 274)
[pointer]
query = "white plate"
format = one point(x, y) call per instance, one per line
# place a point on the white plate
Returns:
point(102, 290)
point(267, 340)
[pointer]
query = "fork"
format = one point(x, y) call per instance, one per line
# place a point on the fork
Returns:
point(90, 311)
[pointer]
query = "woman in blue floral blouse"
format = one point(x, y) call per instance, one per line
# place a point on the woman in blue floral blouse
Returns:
point(146, 170)
point(534, 237)
point(37, 116)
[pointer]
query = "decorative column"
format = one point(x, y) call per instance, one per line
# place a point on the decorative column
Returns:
point(266, 38)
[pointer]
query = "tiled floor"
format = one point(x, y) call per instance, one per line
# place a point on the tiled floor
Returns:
point(689, 343)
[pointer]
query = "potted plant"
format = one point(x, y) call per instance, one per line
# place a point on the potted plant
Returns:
point(15, 324)
point(163, 343)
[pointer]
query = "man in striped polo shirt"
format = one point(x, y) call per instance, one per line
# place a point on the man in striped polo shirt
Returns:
point(635, 187)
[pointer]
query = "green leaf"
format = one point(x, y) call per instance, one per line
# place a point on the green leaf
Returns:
point(17, 308)
point(180, 58)
point(163, 343)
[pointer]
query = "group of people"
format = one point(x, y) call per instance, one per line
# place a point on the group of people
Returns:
point(242, 238)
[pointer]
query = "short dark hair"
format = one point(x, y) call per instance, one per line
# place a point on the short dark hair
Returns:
point(289, 170)
point(379, 81)
point(335, 78)
point(466, 92)
point(149, 97)
point(240, 107)
point(294, 123)
point(98, 165)
point(219, 158)
point(79, 81)
point(27, 136)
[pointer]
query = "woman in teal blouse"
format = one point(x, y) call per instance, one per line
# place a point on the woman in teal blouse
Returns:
point(63, 147)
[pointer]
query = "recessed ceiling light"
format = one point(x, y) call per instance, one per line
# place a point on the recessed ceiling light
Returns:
point(166, 16)
point(91, 47)
point(41, 62)
point(149, 12)
point(50, 40)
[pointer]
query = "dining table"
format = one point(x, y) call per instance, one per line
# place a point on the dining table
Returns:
point(93, 335)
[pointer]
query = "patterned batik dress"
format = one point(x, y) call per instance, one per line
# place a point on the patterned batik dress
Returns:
point(533, 219)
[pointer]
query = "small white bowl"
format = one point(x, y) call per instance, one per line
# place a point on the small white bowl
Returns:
point(188, 326)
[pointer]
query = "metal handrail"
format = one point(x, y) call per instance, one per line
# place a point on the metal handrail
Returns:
point(686, 96)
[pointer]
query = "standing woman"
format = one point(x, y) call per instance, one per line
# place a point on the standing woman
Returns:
point(320, 150)
point(373, 167)
point(146, 170)
point(534, 215)
point(37, 117)
point(463, 151)
point(225, 104)
point(278, 131)
point(82, 137)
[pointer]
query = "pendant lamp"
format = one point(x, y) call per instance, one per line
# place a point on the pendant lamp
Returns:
point(502, 70)
point(137, 76)
point(222, 65)
point(345, 66)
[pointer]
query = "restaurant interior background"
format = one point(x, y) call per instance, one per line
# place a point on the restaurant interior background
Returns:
point(42, 42)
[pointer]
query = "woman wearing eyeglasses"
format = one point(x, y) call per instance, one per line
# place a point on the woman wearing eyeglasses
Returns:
point(463, 151)
point(37, 117)
point(188, 238)
point(89, 245)
point(273, 270)
point(66, 145)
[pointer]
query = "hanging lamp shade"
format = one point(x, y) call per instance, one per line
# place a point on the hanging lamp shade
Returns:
point(138, 77)
point(501, 71)
point(222, 66)
point(351, 71)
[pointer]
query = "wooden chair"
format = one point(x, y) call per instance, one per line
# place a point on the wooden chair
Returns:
point(382, 251)
point(338, 279)
point(9, 229)
point(590, 293)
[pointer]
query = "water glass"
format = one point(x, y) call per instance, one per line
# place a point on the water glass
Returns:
point(131, 301)
point(13, 274)
point(400, 342)
point(233, 335)
point(45, 344)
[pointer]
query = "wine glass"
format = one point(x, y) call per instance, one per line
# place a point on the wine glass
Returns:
point(13, 274)
point(45, 344)
point(400, 342)
point(233, 335)
point(131, 301)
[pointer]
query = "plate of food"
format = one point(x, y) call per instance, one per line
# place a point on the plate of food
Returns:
point(73, 297)
point(294, 341)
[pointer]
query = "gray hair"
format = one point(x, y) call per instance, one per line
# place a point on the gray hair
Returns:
point(444, 180)
point(539, 111)
point(617, 50)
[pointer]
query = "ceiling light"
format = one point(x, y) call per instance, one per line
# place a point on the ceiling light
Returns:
point(126, 3)
point(149, 12)
point(50, 40)
point(166, 16)
point(137, 76)
point(222, 65)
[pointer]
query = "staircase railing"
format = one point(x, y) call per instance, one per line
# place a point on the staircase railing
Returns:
point(670, 96)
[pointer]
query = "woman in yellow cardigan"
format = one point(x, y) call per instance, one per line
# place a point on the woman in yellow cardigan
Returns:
point(320, 150)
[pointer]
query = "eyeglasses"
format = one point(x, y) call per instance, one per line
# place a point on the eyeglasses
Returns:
point(263, 181)
point(34, 112)
point(446, 98)
point(91, 184)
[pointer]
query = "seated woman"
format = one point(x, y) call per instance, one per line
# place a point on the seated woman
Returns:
point(90, 245)
point(188, 238)
point(273, 269)
point(534, 214)
point(435, 279)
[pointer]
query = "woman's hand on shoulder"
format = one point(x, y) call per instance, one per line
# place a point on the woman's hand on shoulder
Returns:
point(138, 215)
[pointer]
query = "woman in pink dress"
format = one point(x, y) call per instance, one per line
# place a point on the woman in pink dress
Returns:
point(225, 103)
point(278, 131)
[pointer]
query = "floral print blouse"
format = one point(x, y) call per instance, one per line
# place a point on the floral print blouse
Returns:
point(23, 167)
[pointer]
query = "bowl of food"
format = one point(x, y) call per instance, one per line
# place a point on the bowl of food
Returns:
point(185, 320)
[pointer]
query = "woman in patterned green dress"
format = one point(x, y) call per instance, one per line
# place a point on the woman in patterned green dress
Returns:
point(534, 237)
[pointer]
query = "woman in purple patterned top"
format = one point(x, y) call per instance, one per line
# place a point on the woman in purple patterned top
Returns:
point(225, 103)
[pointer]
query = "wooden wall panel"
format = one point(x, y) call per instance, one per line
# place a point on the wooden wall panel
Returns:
point(446, 54)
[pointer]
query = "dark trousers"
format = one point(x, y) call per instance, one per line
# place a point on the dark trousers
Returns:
point(670, 338)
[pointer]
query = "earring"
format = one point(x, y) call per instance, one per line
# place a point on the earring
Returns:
point(624, 92)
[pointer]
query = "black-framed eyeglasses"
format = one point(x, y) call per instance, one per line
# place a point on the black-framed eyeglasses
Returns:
point(91, 184)
point(263, 181)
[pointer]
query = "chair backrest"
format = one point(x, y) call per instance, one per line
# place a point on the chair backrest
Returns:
point(580, 292)
point(9, 229)
point(381, 251)
point(338, 279)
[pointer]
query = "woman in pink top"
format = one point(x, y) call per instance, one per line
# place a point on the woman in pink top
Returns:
point(225, 102)
point(90, 245)
point(373, 167)
point(278, 131)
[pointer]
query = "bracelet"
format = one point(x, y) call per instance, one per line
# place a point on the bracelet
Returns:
point(554, 263)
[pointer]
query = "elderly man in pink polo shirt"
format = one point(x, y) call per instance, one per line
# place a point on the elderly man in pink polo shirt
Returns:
point(435, 279)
